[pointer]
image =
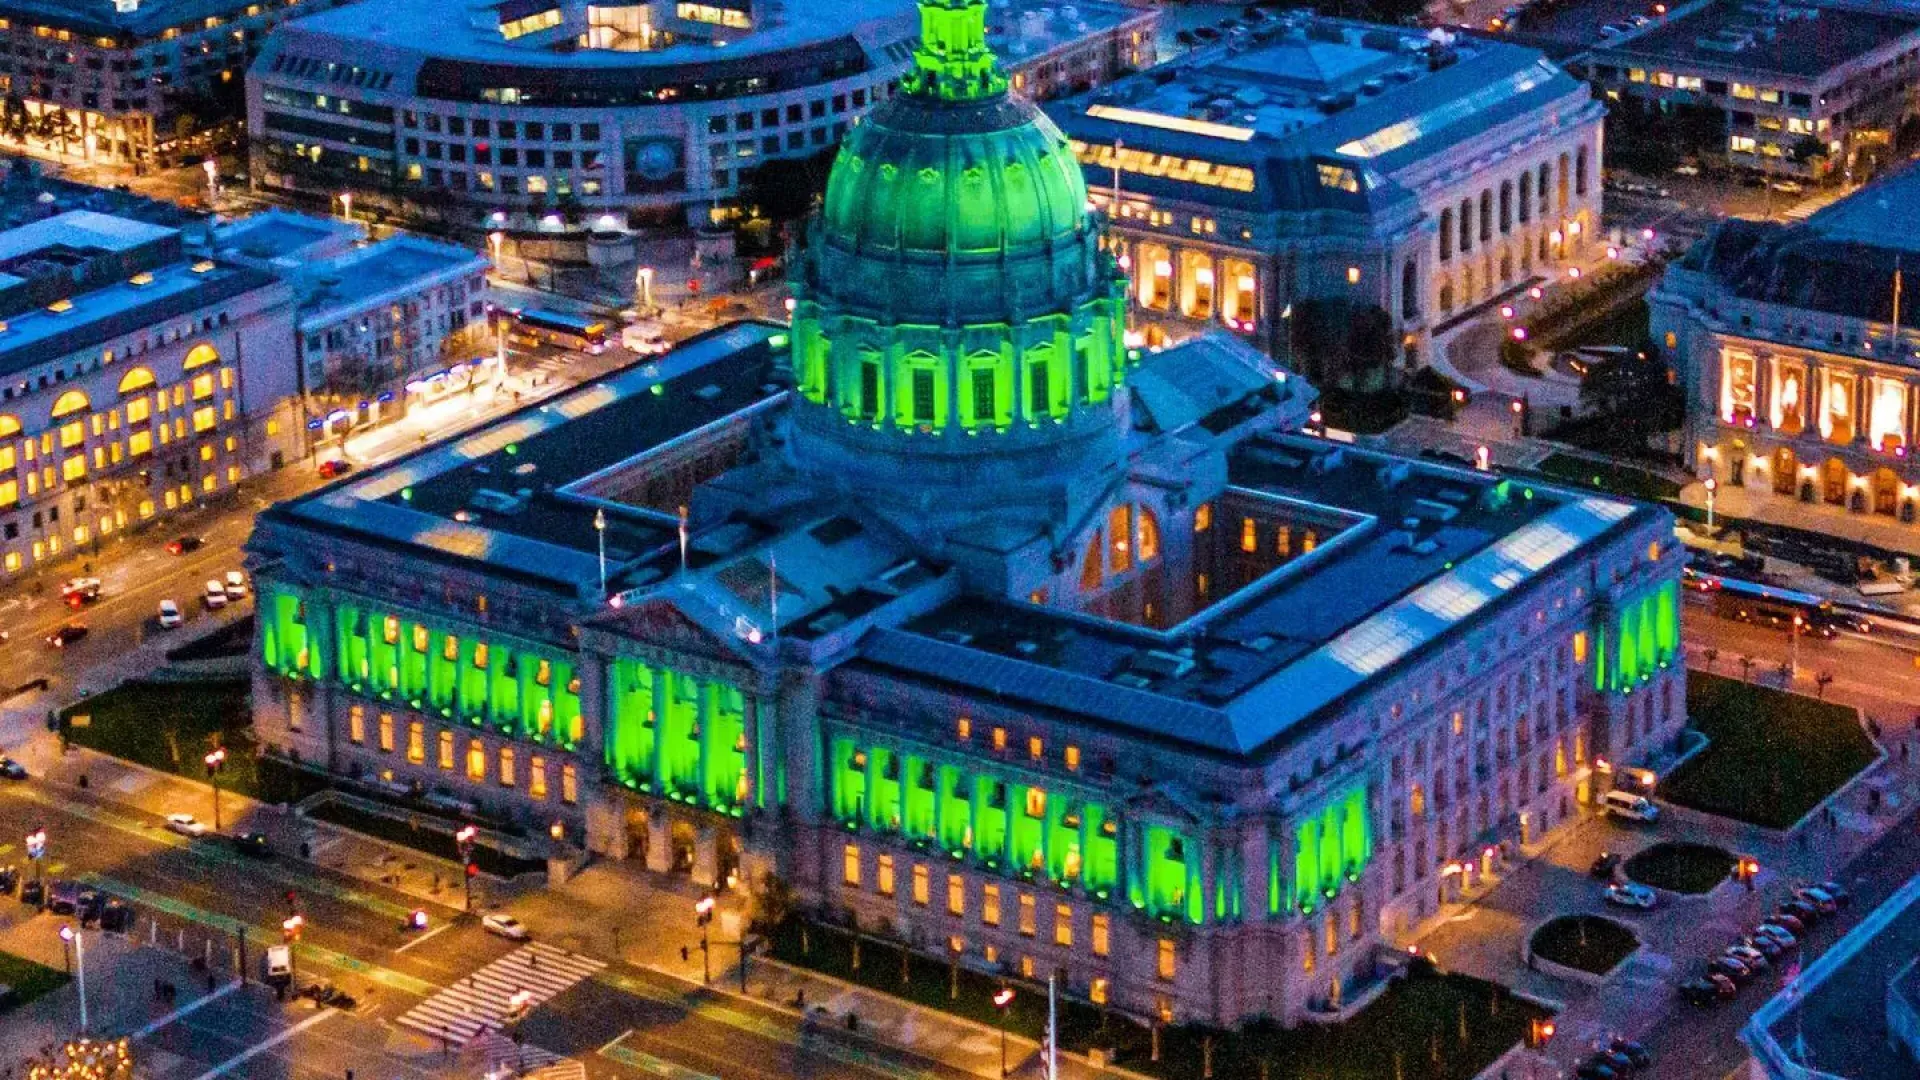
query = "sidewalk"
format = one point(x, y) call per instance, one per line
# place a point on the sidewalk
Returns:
point(1736, 502)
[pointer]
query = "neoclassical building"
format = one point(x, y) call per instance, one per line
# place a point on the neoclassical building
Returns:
point(1802, 381)
point(976, 627)
point(1317, 158)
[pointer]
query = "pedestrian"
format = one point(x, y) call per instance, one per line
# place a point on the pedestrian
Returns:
point(533, 960)
point(1904, 748)
point(212, 981)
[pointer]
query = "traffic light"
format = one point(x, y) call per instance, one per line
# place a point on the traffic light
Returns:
point(473, 869)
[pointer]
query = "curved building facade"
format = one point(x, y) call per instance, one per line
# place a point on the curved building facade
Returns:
point(650, 111)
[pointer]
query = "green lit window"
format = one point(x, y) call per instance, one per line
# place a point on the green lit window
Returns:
point(870, 388)
point(1038, 399)
point(982, 395)
point(923, 411)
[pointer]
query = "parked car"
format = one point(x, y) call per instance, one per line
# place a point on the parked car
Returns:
point(1792, 924)
point(1631, 894)
point(187, 825)
point(1790, 187)
point(170, 617)
point(1818, 898)
point(1594, 1070)
point(1839, 892)
point(1618, 1062)
point(33, 893)
point(1631, 807)
point(1768, 947)
point(11, 769)
point(1702, 992)
point(66, 635)
point(1731, 968)
point(253, 845)
point(116, 917)
point(1632, 1051)
point(1755, 960)
point(1604, 866)
point(1777, 934)
point(236, 583)
point(92, 902)
point(335, 467)
point(215, 596)
point(1800, 909)
point(505, 926)
point(9, 879)
point(64, 897)
point(181, 545)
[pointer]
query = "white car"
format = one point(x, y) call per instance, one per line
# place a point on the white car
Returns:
point(187, 825)
point(170, 617)
point(505, 926)
point(236, 585)
point(216, 595)
point(1632, 894)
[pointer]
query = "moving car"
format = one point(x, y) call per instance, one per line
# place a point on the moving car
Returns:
point(187, 825)
point(335, 467)
point(81, 591)
point(236, 583)
point(11, 769)
point(66, 635)
point(170, 617)
point(183, 544)
point(253, 845)
point(1631, 894)
point(505, 926)
point(216, 595)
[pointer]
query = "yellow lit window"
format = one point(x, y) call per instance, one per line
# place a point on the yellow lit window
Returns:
point(72, 435)
point(386, 732)
point(419, 638)
point(1034, 747)
point(476, 760)
point(543, 673)
point(1036, 803)
point(480, 655)
point(1249, 536)
point(1203, 517)
point(202, 386)
point(990, 905)
point(506, 766)
point(921, 885)
point(446, 750)
point(450, 649)
point(1000, 738)
point(1063, 925)
point(956, 895)
point(74, 468)
point(883, 879)
point(139, 411)
point(537, 776)
point(1580, 647)
point(850, 865)
point(1029, 915)
point(203, 419)
point(416, 742)
point(963, 729)
point(139, 442)
point(9, 492)
point(1102, 934)
point(1072, 757)
point(1097, 991)
point(390, 629)
point(357, 724)
point(569, 784)
point(1165, 967)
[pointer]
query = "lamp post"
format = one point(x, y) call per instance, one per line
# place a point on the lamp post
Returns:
point(703, 915)
point(600, 533)
point(72, 937)
point(1712, 485)
point(1793, 647)
point(494, 240)
point(643, 282)
point(216, 761)
point(1002, 998)
point(346, 205)
point(468, 869)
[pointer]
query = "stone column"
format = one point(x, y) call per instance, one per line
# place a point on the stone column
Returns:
point(592, 672)
point(659, 839)
point(660, 678)
point(706, 856)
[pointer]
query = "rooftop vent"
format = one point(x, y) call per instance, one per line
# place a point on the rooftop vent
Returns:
point(1026, 648)
point(1161, 664)
point(1327, 462)
point(498, 502)
point(1392, 475)
point(955, 637)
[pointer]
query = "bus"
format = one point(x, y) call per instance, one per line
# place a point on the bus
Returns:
point(583, 333)
point(1767, 605)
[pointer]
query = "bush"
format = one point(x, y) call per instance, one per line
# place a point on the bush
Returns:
point(1681, 867)
point(1586, 942)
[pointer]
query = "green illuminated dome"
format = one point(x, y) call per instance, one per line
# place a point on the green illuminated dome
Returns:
point(956, 323)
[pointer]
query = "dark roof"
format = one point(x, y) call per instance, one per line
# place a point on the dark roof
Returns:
point(1802, 43)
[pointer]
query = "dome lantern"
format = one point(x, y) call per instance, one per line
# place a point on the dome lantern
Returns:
point(953, 61)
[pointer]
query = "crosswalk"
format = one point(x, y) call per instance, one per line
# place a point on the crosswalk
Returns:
point(479, 1002)
point(505, 1058)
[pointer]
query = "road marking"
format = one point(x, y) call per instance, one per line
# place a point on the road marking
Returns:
point(613, 1042)
point(189, 1007)
point(647, 1063)
point(259, 1048)
point(443, 927)
point(478, 1002)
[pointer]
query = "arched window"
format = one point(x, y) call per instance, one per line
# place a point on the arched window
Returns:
point(1486, 216)
point(1506, 207)
point(1546, 177)
point(1446, 234)
point(1410, 289)
point(1526, 200)
point(986, 396)
point(136, 380)
point(199, 356)
point(1466, 226)
point(1580, 172)
point(71, 402)
point(1149, 528)
point(8, 425)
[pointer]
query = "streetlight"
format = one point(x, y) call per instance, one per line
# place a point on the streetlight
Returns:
point(346, 205)
point(1002, 998)
point(1712, 486)
point(1793, 646)
point(600, 533)
point(643, 281)
point(494, 240)
point(464, 841)
point(216, 761)
point(72, 937)
point(703, 915)
point(37, 850)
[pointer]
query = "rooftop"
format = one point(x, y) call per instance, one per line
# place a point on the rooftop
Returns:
point(1754, 41)
point(27, 195)
point(1309, 112)
point(143, 18)
point(378, 272)
point(1833, 1017)
point(1021, 29)
point(284, 238)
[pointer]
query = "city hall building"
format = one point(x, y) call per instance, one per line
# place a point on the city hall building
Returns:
point(1315, 158)
point(1802, 381)
point(973, 625)
point(638, 113)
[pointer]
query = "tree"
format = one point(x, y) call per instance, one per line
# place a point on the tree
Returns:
point(1808, 148)
point(1636, 392)
point(1338, 345)
point(786, 189)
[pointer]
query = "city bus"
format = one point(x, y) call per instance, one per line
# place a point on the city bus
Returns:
point(582, 333)
point(1767, 605)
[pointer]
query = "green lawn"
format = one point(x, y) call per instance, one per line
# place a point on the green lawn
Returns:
point(1773, 755)
point(171, 726)
point(1608, 476)
point(1624, 325)
point(233, 639)
point(1681, 867)
point(1437, 1027)
point(426, 833)
point(1587, 942)
point(28, 979)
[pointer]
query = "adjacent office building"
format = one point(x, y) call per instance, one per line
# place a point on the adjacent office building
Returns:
point(1803, 87)
point(1802, 378)
point(607, 115)
point(1316, 158)
point(122, 82)
point(135, 378)
point(973, 625)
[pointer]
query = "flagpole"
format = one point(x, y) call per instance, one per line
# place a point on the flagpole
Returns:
point(600, 531)
point(773, 597)
point(683, 540)
point(1053, 1034)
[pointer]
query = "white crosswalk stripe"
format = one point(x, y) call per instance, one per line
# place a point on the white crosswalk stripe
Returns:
point(504, 1058)
point(478, 1003)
